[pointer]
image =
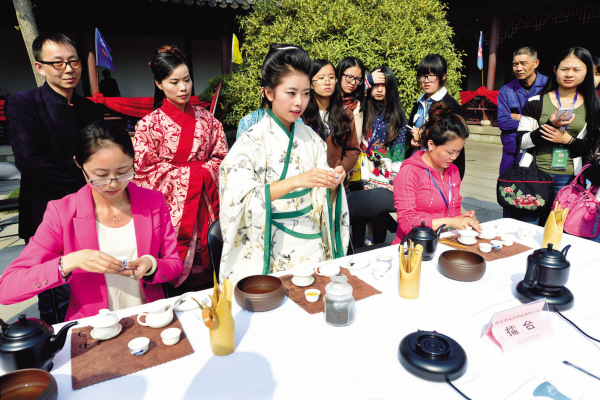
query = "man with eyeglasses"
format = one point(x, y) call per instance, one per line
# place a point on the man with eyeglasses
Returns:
point(511, 100)
point(42, 124)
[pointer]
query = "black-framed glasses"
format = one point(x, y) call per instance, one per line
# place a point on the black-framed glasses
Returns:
point(353, 79)
point(106, 181)
point(62, 65)
point(429, 78)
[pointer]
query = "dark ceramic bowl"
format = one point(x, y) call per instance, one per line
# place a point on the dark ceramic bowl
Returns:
point(28, 384)
point(259, 292)
point(461, 265)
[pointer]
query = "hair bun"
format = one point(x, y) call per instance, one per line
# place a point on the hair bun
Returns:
point(439, 111)
point(168, 49)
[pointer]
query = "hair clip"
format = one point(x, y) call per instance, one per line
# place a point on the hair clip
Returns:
point(150, 64)
point(288, 48)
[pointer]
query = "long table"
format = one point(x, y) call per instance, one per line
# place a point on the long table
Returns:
point(288, 354)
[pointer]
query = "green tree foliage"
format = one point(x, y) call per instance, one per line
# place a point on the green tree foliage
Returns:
point(394, 32)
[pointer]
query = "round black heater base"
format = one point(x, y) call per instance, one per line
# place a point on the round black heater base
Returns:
point(432, 356)
point(560, 300)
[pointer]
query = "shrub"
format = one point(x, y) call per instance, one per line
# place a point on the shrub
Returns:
point(394, 32)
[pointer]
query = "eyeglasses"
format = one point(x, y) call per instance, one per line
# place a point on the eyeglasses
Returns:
point(62, 65)
point(106, 181)
point(323, 79)
point(353, 79)
point(430, 78)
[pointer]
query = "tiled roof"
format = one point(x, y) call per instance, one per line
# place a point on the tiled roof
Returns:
point(245, 4)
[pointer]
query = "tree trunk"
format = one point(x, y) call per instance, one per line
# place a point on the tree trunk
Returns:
point(29, 31)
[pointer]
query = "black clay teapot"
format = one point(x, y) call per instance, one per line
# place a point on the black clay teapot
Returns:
point(426, 237)
point(30, 343)
point(547, 269)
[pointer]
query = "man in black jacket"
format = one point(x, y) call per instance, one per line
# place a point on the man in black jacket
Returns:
point(42, 124)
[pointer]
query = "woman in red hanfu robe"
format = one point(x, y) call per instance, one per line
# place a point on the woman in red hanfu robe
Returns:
point(178, 151)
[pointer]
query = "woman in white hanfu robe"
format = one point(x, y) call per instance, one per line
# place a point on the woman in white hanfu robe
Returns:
point(304, 226)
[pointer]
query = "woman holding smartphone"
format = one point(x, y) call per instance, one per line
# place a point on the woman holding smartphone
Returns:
point(562, 121)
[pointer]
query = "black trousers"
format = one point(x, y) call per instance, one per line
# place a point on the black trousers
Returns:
point(375, 206)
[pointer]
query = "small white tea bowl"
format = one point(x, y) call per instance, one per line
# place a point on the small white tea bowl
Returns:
point(496, 244)
point(488, 234)
point(485, 247)
point(139, 346)
point(507, 240)
point(312, 295)
point(381, 269)
point(170, 336)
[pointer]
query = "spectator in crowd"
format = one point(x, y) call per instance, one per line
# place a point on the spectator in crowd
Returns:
point(178, 151)
point(431, 76)
point(383, 141)
point(108, 85)
point(427, 188)
point(511, 100)
point(281, 204)
point(560, 136)
point(82, 235)
point(42, 124)
point(326, 115)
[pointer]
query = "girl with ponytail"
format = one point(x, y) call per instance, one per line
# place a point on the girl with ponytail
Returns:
point(427, 187)
point(178, 151)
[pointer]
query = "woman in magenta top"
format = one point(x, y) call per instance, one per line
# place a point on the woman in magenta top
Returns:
point(427, 187)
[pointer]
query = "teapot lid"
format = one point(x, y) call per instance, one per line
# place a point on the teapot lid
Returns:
point(24, 327)
point(339, 287)
point(550, 252)
point(551, 257)
point(422, 232)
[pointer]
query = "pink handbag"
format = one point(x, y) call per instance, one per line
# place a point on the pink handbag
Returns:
point(583, 207)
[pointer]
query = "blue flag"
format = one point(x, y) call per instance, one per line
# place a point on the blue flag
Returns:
point(480, 52)
point(103, 57)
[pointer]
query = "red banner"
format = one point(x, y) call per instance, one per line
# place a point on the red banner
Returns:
point(466, 97)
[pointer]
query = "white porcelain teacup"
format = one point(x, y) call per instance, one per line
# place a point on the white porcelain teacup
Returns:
point(485, 247)
point(105, 323)
point(139, 346)
point(158, 318)
point(507, 240)
point(380, 270)
point(468, 236)
point(488, 234)
point(385, 258)
point(525, 232)
point(170, 336)
point(496, 244)
point(312, 295)
point(303, 275)
point(327, 269)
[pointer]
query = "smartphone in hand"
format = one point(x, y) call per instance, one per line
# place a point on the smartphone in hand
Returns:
point(562, 111)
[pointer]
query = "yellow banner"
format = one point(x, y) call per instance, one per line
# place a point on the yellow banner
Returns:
point(236, 56)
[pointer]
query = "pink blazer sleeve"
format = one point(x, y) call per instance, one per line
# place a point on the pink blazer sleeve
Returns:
point(169, 264)
point(36, 268)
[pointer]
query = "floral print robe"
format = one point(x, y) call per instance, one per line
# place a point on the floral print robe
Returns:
point(179, 153)
point(257, 160)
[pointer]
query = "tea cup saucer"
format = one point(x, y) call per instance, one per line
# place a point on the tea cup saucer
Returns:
point(295, 282)
point(97, 337)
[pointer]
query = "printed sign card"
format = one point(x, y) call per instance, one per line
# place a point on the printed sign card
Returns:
point(519, 326)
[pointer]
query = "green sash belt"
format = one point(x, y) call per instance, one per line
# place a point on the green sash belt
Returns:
point(271, 217)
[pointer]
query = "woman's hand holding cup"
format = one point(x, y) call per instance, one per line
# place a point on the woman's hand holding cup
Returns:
point(138, 268)
point(92, 261)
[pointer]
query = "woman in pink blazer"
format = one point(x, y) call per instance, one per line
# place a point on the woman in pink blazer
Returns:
point(82, 235)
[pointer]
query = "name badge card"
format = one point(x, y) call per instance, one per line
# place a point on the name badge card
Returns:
point(519, 326)
point(560, 158)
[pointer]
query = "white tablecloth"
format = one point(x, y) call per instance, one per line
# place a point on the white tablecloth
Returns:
point(288, 354)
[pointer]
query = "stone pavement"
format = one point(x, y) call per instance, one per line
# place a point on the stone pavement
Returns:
point(478, 190)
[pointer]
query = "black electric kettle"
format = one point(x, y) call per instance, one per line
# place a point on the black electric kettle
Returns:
point(30, 343)
point(546, 276)
point(426, 237)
